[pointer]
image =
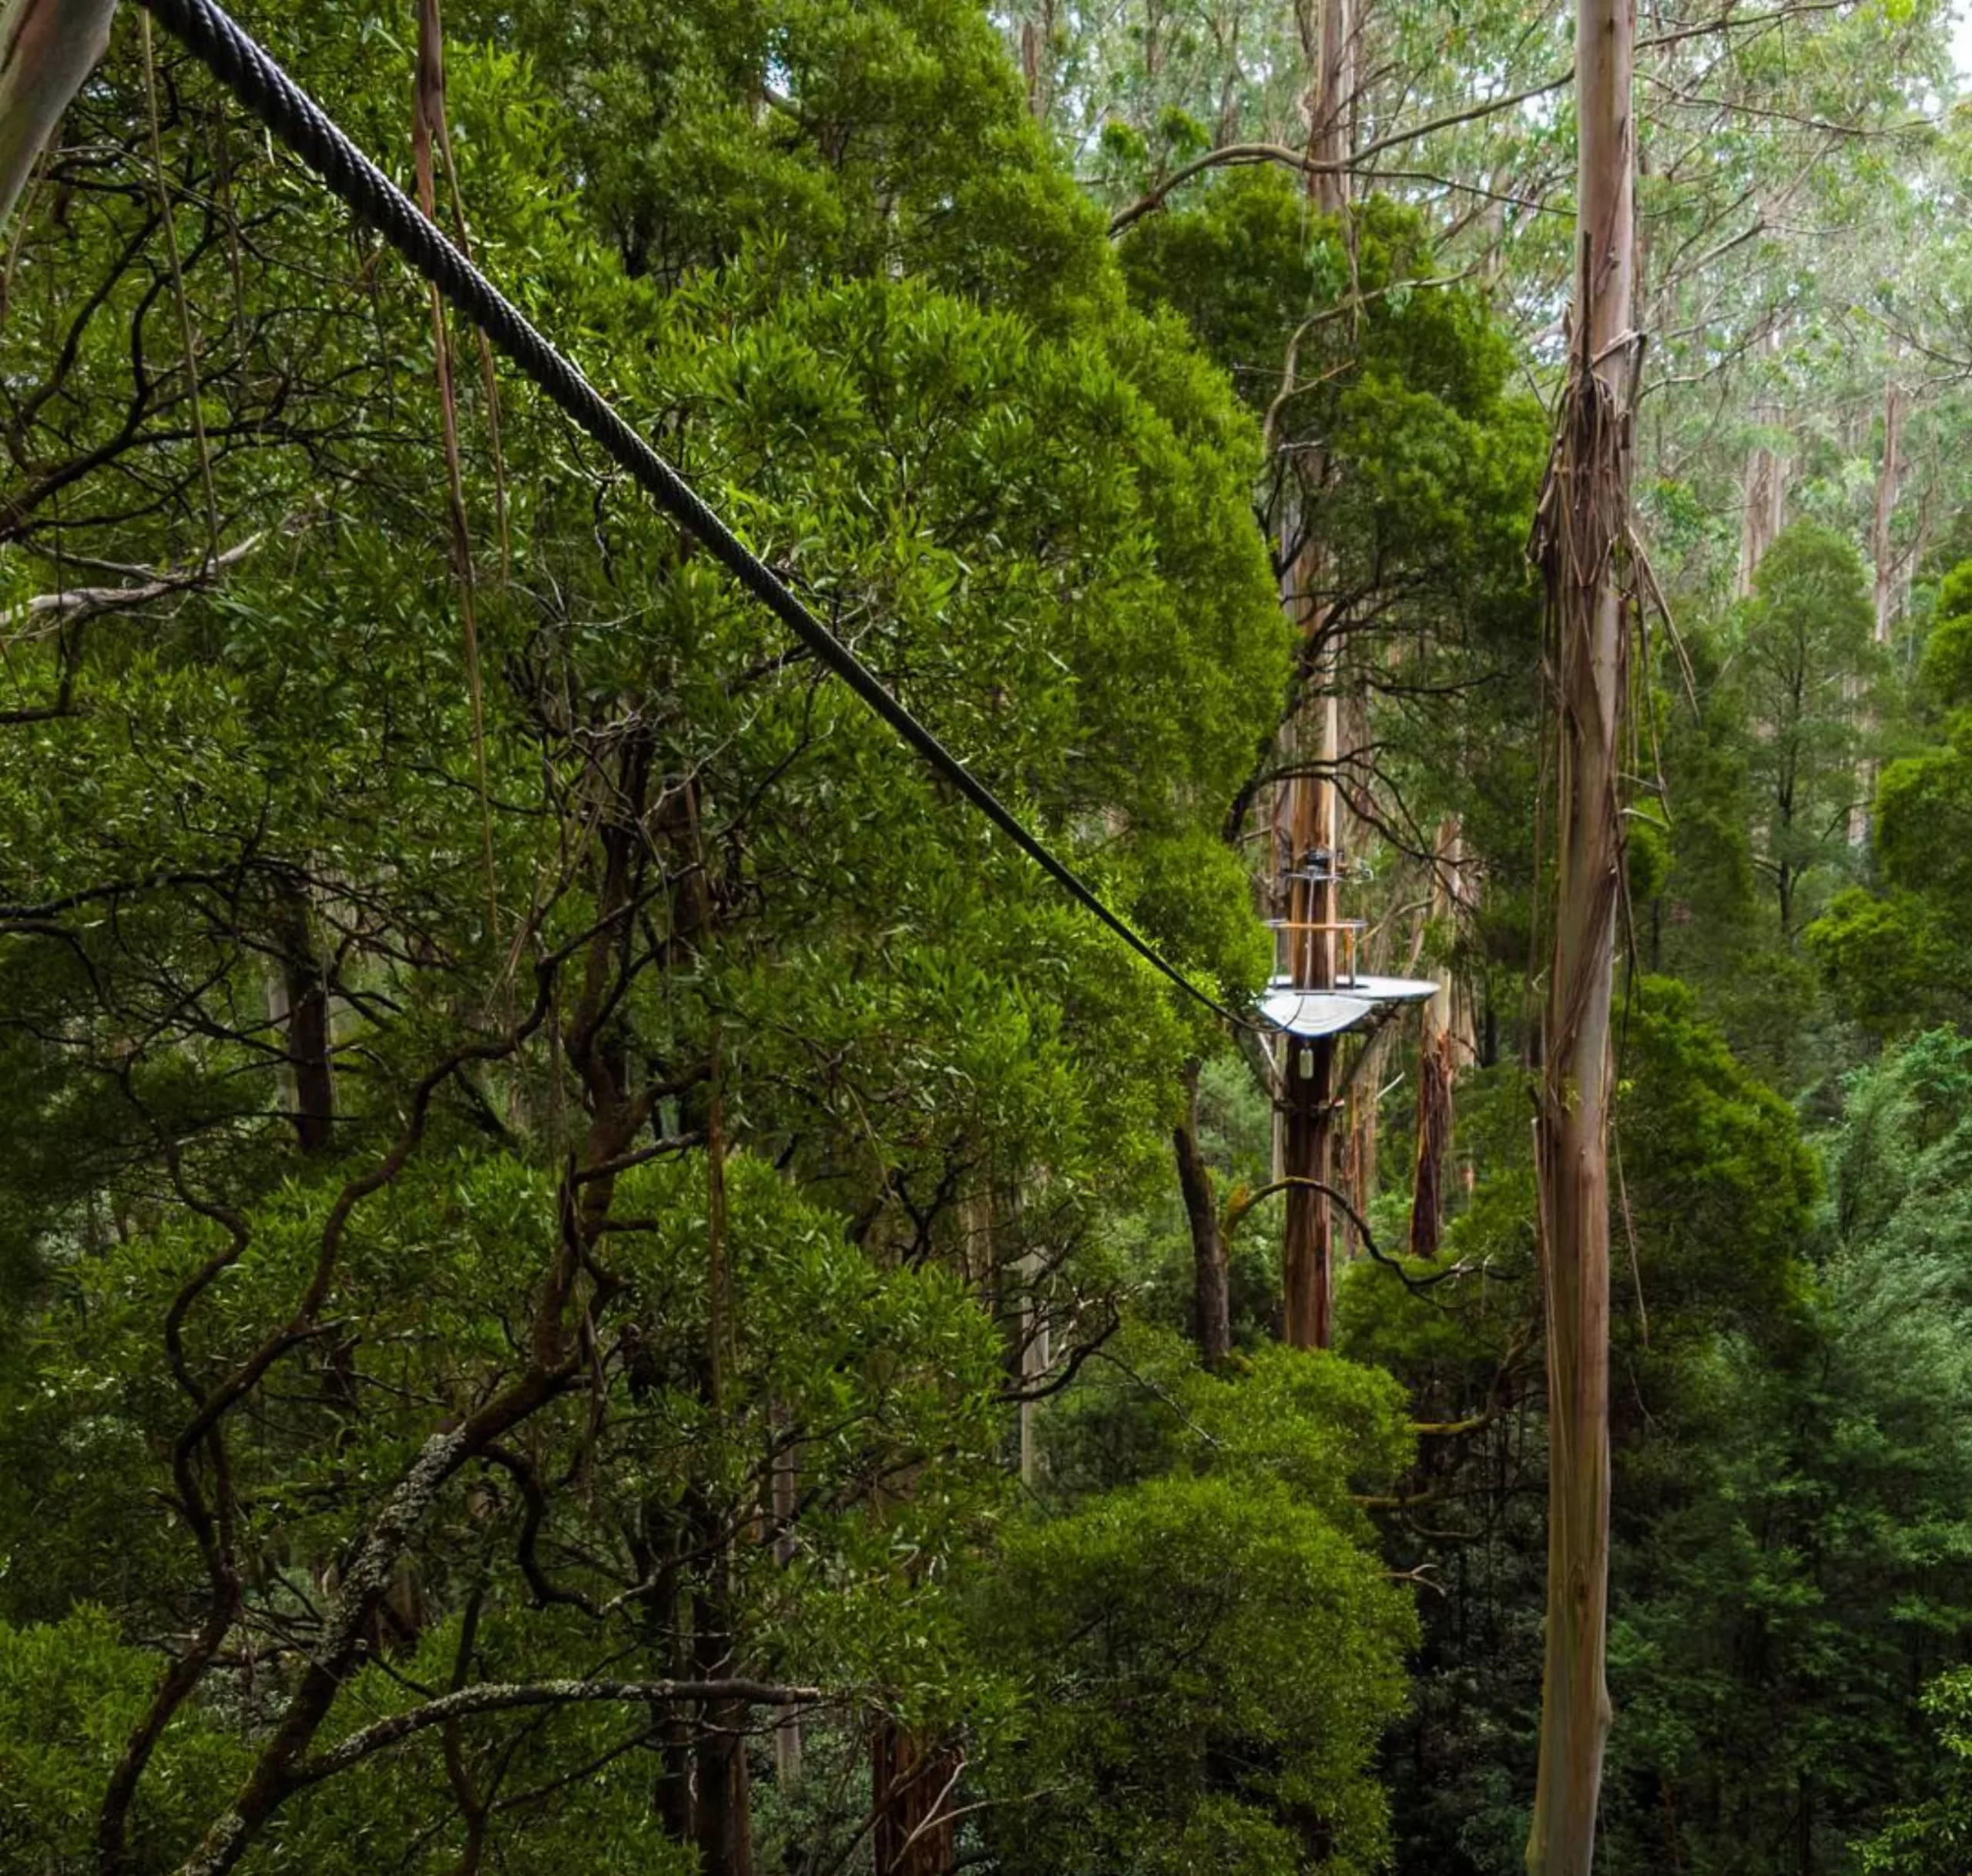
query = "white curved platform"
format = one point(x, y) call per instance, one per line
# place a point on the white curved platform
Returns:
point(1314, 1013)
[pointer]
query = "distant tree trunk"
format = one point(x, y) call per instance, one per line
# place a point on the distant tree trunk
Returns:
point(1888, 566)
point(1037, 37)
point(1890, 477)
point(1211, 1308)
point(1765, 490)
point(301, 1010)
point(723, 1800)
point(915, 1833)
point(723, 1808)
point(1327, 45)
point(1435, 1072)
point(1584, 515)
point(1362, 1137)
point(786, 1497)
point(1359, 1169)
point(1437, 1065)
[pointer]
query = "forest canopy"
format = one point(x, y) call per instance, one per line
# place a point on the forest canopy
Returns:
point(598, 1272)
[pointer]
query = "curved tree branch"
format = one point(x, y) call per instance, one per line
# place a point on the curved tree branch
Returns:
point(497, 1696)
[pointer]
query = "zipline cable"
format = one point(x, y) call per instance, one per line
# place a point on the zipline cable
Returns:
point(250, 73)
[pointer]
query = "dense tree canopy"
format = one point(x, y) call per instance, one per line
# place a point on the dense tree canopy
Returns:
point(596, 1273)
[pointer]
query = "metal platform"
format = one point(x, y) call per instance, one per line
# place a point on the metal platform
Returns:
point(1314, 1013)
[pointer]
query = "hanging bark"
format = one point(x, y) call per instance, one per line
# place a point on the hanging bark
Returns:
point(1581, 528)
point(428, 134)
point(1211, 1298)
point(47, 49)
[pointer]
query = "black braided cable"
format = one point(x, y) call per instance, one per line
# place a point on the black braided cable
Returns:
point(250, 73)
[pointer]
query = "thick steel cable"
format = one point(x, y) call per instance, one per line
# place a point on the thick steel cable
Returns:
point(250, 73)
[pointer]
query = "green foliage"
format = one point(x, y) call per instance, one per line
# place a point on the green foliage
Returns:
point(1945, 677)
point(1932, 1837)
point(1808, 665)
point(1895, 955)
point(1804, 1562)
point(70, 1693)
point(825, 258)
point(1212, 1647)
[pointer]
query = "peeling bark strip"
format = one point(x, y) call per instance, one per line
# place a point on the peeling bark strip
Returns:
point(1580, 539)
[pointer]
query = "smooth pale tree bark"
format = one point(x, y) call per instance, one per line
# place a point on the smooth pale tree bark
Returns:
point(1889, 567)
point(1584, 519)
point(47, 48)
point(1327, 36)
point(1889, 563)
point(1765, 488)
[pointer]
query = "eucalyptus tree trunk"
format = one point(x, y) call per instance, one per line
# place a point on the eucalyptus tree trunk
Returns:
point(1437, 1059)
point(1765, 488)
point(1308, 1248)
point(1890, 569)
point(1327, 40)
point(1889, 565)
point(1585, 514)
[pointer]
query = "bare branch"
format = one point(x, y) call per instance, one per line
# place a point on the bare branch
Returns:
point(497, 1696)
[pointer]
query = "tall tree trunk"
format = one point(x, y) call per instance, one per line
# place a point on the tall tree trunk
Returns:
point(1890, 476)
point(1438, 1061)
point(1327, 46)
point(786, 1498)
point(1307, 1138)
point(1889, 567)
point(1584, 515)
point(916, 1830)
point(1766, 490)
point(1308, 1255)
point(1212, 1306)
point(1036, 60)
point(722, 1811)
